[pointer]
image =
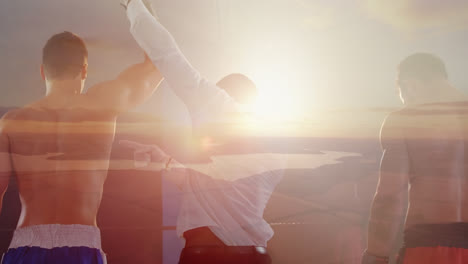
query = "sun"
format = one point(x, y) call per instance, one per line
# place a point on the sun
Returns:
point(276, 100)
point(279, 72)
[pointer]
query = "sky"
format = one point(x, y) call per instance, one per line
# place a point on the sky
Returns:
point(306, 56)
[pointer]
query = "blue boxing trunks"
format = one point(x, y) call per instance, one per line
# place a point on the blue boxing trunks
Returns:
point(71, 244)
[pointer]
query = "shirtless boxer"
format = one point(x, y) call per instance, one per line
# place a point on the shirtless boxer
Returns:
point(59, 147)
point(423, 174)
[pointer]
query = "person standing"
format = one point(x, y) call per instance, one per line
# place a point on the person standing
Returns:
point(58, 148)
point(221, 221)
point(423, 174)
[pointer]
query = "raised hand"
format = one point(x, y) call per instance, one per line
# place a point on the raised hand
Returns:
point(125, 3)
point(143, 154)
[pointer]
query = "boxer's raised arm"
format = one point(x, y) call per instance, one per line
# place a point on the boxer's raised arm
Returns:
point(5, 161)
point(197, 93)
point(131, 88)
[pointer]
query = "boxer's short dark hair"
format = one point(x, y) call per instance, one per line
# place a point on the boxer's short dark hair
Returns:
point(423, 67)
point(63, 56)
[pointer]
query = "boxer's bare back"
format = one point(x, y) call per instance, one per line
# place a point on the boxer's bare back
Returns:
point(424, 165)
point(59, 147)
point(435, 137)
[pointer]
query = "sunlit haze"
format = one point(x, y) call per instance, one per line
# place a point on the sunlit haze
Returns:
point(303, 55)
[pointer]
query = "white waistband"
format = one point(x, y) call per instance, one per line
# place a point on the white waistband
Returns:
point(53, 236)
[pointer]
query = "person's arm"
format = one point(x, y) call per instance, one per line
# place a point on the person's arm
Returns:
point(5, 161)
point(200, 95)
point(132, 87)
point(389, 205)
point(145, 155)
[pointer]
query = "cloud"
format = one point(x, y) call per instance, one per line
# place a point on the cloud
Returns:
point(317, 15)
point(420, 14)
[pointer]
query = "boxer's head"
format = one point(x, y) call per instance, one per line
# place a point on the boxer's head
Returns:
point(64, 57)
point(239, 87)
point(420, 74)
